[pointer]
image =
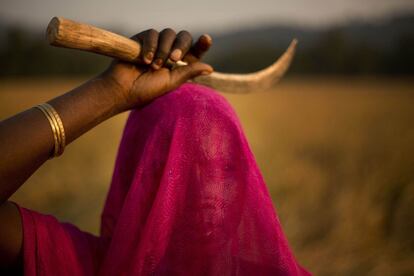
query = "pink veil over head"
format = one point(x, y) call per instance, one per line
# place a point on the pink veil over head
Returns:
point(186, 198)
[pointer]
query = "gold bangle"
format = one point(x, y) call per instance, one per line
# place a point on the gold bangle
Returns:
point(53, 127)
point(61, 130)
point(56, 126)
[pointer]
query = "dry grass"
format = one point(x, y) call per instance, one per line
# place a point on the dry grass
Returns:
point(337, 156)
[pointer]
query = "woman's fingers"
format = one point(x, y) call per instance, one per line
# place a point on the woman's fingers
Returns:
point(149, 40)
point(165, 42)
point(198, 50)
point(158, 47)
point(182, 44)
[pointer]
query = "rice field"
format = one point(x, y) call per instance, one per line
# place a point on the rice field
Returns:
point(337, 155)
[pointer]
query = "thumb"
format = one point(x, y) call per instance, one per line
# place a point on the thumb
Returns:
point(183, 73)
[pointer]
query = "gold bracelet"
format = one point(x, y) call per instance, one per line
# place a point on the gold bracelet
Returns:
point(53, 127)
point(61, 130)
point(56, 126)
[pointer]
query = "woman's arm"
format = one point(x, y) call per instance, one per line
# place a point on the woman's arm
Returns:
point(26, 139)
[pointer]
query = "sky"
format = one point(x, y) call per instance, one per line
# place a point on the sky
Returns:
point(208, 15)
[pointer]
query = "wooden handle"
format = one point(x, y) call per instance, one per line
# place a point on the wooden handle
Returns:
point(66, 33)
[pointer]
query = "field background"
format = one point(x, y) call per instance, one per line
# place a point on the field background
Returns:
point(337, 155)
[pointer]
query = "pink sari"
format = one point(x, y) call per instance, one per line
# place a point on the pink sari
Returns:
point(186, 198)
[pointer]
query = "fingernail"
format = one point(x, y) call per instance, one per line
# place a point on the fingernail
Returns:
point(176, 54)
point(207, 38)
point(149, 57)
point(158, 62)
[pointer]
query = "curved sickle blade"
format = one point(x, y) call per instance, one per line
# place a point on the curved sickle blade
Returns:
point(246, 83)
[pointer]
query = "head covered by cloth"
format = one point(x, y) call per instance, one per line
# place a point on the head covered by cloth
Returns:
point(186, 198)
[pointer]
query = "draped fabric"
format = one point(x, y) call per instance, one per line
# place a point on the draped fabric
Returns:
point(186, 198)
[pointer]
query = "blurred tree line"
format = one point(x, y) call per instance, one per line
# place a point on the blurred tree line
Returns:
point(333, 53)
point(336, 54)
point(350, 49)
point(354, 48)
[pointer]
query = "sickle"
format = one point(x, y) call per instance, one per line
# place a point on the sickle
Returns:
point(66, 33)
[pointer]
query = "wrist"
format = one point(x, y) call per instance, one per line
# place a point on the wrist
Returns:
point(114, 91)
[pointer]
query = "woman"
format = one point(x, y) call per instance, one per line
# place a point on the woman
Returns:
point(186, 197)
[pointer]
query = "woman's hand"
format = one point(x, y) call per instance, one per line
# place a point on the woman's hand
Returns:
point(136, 85)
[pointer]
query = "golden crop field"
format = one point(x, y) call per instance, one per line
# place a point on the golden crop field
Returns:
point(337, 155)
